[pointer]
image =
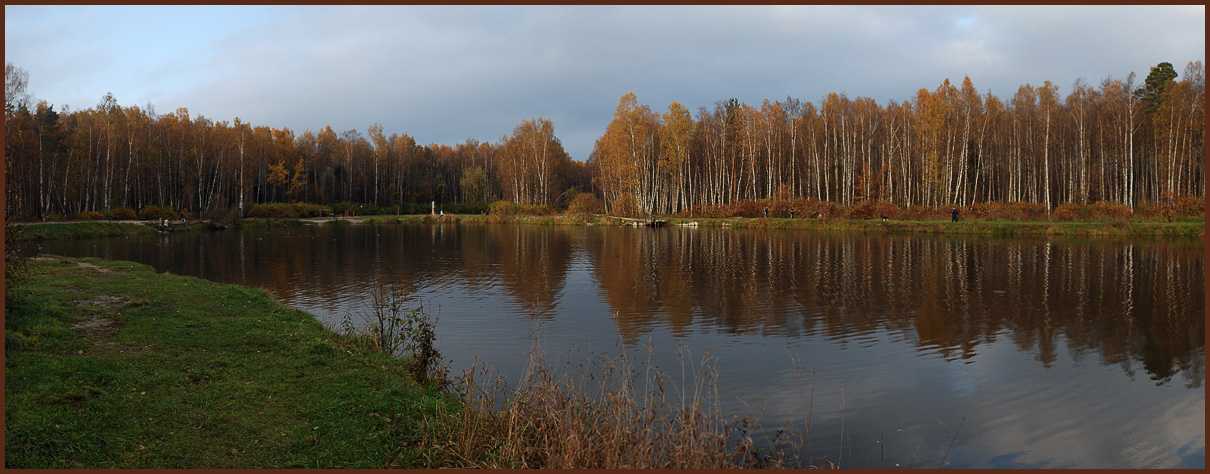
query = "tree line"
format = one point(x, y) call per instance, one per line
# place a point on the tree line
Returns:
point(67, 162)
point(1118, 141)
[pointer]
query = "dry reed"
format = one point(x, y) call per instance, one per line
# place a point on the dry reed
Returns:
point(603, 413)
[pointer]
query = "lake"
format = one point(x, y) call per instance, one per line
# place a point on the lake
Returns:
point(982, 351)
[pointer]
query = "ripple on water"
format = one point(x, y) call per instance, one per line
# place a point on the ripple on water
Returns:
point(898, 321)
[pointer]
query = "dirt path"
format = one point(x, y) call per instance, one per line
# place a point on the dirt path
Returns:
point(82, 264)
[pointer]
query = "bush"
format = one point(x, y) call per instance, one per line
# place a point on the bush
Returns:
point(778, 207)
point(340, 208)
point(158, 212)
point(302, 209)
point(888, 209)
point(872, 210)
point(91, 215)
point(584, 203)
point(744, 208)
point(927, 213)
point(509, 208)
point(504, 208)
point(287, 211)
point(538, 209)
point(1071, 211)
point(860, 210)
point(122, 214)
point(358, 209)
point(270, 211)
point(1169, 207)
point(398, 329)
point(1002, 211)
point(981, 210)
point(1188, 206)
point(1112, 211)
point(1028, 210)
point(375, 210)
point(464, 208)
point(813, 208)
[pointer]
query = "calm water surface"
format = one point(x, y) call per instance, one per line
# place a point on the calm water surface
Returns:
point(1022, 352)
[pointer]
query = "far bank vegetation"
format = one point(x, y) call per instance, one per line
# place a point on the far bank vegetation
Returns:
point(1095, 151)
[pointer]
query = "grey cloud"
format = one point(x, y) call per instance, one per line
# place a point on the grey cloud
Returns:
point(443, 74)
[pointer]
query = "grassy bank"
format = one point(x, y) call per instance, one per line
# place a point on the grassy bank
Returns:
point(1118, 228)
point(109, 364)
point(83, 230)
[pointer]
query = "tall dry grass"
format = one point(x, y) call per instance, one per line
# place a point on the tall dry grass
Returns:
point(605, 413)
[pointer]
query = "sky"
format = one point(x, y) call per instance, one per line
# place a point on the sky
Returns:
point(445, 74)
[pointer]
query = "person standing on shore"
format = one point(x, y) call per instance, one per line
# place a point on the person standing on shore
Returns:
point(954, 215)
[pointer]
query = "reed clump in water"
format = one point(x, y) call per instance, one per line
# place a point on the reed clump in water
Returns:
point(603, 414)
point(394, 325)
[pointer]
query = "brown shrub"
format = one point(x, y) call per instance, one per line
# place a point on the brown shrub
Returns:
point(1111, 211)
point(815, 208)
point(1068, 212)
point(778, 207)
point(744, 208)
point(872, 210)
point(1030, 210)
point(584, 203)
point(122, 214)
point(981, 210)
point(504, 208)
point(1189, 206)
point(158, 212)
point(924, 213)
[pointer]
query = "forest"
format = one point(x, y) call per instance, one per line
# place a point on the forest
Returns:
point(1120, 141)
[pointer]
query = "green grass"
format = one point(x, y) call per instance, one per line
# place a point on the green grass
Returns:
point(109, 364)
point(1124, 228)
point(83, 230)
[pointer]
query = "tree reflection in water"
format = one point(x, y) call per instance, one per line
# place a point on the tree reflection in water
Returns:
point(1141, 300)
point(913, 327)
point(1134, 300)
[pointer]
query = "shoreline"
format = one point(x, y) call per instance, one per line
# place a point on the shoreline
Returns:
point(110, 364)
point(33, 231)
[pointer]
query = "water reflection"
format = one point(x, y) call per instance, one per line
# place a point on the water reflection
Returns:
point(947, 295)
point(1064, 353)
